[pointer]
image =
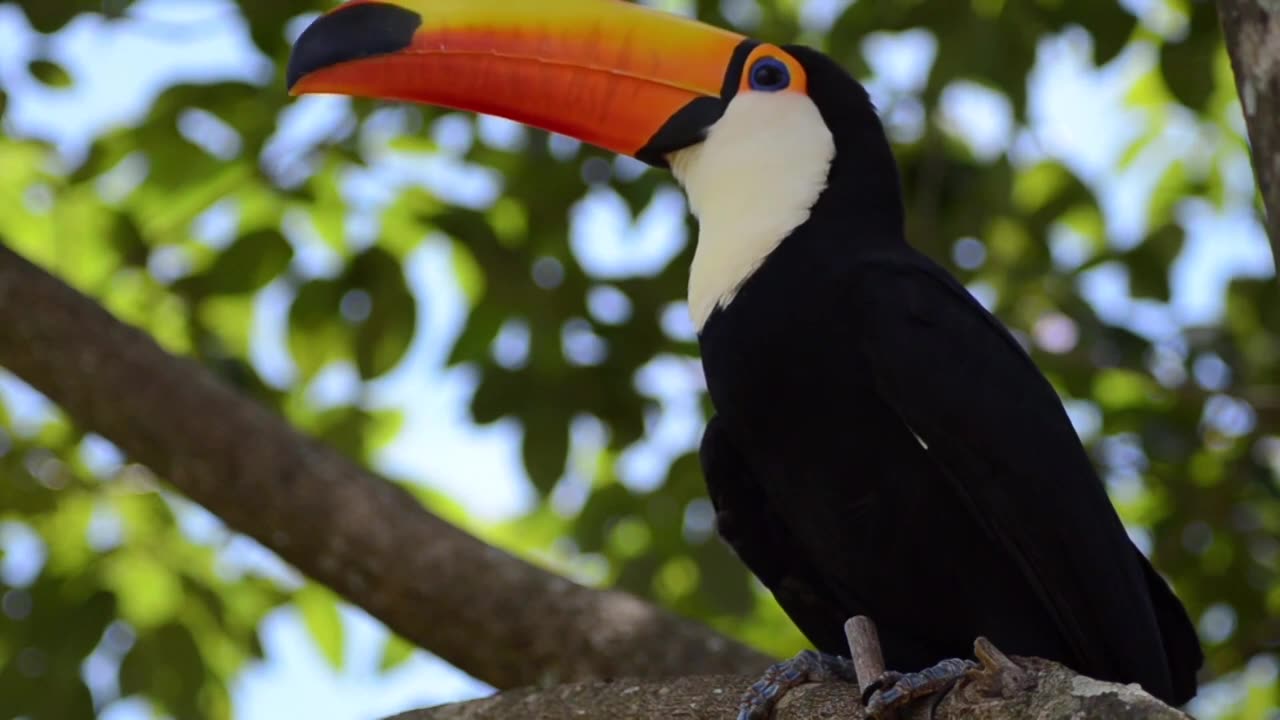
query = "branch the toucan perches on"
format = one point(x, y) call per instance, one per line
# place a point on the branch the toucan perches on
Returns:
point(882, 445)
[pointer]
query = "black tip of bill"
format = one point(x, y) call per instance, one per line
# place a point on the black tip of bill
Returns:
point(353, 33)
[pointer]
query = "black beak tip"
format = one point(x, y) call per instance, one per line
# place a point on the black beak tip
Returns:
point(351, 33)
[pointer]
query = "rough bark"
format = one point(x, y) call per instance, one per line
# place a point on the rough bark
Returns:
point(1252, 30)
point(495, 616)
point(1059, 694)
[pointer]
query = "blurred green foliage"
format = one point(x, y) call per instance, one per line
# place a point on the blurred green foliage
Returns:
point(1182, 419)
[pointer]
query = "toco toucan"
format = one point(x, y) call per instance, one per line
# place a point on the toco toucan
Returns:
point(881, 444)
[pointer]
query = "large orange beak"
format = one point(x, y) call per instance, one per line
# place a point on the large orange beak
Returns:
point(621, 76)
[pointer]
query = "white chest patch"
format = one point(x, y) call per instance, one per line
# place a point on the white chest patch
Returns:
point(750, 183)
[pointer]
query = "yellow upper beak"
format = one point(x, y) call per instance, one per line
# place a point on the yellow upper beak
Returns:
point(610, 73)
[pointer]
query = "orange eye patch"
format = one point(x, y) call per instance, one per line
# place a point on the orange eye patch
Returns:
point(771, 69)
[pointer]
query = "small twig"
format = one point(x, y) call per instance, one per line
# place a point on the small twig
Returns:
point(864, 648)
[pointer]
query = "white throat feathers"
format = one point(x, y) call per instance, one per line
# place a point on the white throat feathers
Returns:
point(750, 183)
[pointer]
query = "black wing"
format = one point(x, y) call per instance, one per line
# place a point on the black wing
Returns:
point(745, 520)
point(999, 432)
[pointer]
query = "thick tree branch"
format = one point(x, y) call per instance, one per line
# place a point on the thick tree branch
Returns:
point(1059, 694)
point(1252, 29)
point(498, 618)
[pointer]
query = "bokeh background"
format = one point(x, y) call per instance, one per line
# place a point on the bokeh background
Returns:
point(494, 317)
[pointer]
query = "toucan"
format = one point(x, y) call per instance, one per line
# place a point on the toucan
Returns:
point(881, 444)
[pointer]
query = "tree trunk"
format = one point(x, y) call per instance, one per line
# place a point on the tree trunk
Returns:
point(1059, 694)
point(1252, 30)
point(494, 616)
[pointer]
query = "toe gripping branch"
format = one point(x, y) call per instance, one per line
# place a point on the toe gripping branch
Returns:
point(893, 690)
point(885, 693)
point(809, 666)
point(994, 675)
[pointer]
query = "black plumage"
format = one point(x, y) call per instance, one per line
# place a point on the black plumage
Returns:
point(883, 446)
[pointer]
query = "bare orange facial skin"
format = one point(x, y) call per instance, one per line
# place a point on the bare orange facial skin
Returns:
point(799, 81)
point(607, 72)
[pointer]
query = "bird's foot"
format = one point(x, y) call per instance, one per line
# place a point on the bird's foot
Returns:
point(810, 666)
point(994, 675)
point(893, 691)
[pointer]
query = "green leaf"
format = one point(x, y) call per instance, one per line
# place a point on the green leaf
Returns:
point(49, 16)
point(231, 318)
point(1148, 92)
point(165, 665)
point(1168, 192)
point(1188, 64)
point(149, 593)
point(65, 620)
point(1038, 184)
point(49, 73)
point(546, 448)
point(1116, 389)
point(383, 427)
point(66, 533)
point(317, 335)
point(395, 652)
point(246, 266)
point(329, 211)
point(20, 493)
point(319, 610)
point(1150, 262)
point(384, 334)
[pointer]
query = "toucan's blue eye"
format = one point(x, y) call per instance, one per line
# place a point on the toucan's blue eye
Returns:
point(769, 74)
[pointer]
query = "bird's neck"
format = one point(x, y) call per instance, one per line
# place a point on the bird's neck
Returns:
point(861, 208)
